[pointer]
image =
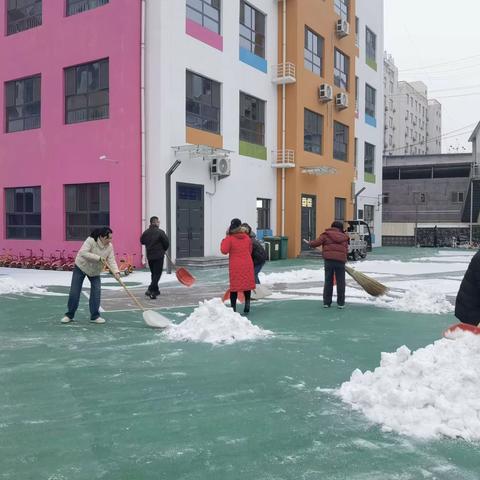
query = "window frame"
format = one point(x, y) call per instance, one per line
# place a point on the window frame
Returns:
point(82, 6)
point(340, 212)
point(263, 214)
point(36, 102)
point(30, 21)
point(251, 135)
point(310, 117)
point(254, 34)
point(340, 154)
point(86, 93)
point(24, 213)
point(318, 45)
point(369, 163)
point(85, 189)
point(341, 69)
point(342, 9)
point(370, 107)
point(205, 17)
point(201, 104)
point(370, 49)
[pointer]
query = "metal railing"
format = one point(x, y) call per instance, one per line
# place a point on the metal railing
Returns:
point(280, 159)
point(284, 70)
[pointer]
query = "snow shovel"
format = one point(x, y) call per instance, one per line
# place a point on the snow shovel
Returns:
point(466, 327)
point(151, 318)
point(183, 275)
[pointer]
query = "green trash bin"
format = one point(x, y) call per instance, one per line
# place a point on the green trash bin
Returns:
point(274, 249)
point(283, 248)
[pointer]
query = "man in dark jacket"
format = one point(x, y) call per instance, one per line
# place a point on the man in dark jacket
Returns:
point(156, 243)
point(467, 305)
point(334, 243)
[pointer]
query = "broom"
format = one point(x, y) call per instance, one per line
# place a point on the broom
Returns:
point(370, 285)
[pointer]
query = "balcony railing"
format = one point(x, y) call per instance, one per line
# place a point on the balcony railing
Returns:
point(284, 73)
point(281, 159)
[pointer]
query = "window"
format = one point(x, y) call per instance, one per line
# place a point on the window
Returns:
point(370, 94)
point(205, 13)
point(369, 159)
point(252, 29)
point(79, 6)
point(386, 198)
point(390, 140)
point(369, 214)
point(203, 103)
point(458, 197)
point(313, 52)
point(23, 15)
point(371, 45)
point(356, 94)
point(263, 213)
point(357, 29)
point(340, 141)
point(23, 104)
point(87, 92)
point(340, 204)
point(341, 70)
point(87, 206)
point(252, 119)
point(23, 214)
point(341, 8)
point(312, 132)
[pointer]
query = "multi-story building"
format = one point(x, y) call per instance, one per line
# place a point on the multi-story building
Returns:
point(412, 121)
point(70, 123)
point(211, 105)
point(316, 117)
point(369, 115)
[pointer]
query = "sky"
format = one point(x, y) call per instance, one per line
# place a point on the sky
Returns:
point(438, 42)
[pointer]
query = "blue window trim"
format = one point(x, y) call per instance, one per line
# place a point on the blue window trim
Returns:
point(370, 120)
point(253, 60)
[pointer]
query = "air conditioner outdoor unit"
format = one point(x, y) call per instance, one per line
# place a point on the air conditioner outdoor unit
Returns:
point(343, 28)
point(220, 167)
point(325, 92)
point(341, 100)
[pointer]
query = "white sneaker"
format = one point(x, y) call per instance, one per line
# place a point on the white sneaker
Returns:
point(66, 319)
point(98, 320)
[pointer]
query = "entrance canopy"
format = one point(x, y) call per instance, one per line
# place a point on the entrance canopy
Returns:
point(320, 170)
point(203, 152)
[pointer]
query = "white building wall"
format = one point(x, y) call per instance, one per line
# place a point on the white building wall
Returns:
point(170, 52)
point(390, 89)
point(434, 127)
point(370, 14)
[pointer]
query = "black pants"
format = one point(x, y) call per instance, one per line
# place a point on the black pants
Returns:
point(334, 267)
point(156, 267)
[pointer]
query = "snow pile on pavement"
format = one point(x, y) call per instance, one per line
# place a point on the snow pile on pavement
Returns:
point(418, 299)
point(292, 276)
point(213, 322)
point(431, 392)
point(10, 285)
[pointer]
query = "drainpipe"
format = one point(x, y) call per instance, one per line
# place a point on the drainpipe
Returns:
point(168, 176)
point(355, 216)
point(284, 60)
point(142, 120)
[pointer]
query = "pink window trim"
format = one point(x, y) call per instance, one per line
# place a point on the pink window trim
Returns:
point(203, 34)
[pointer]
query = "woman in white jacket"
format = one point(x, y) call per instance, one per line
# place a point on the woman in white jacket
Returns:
point(96, 251)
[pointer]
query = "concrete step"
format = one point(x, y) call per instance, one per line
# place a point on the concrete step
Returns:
point(202, 262)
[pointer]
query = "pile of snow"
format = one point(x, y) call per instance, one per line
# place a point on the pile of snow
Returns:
point(10, 285)
point(433, 392)
point(418, 299)
point(398, 267)
point(292, 276)
point(213, 322)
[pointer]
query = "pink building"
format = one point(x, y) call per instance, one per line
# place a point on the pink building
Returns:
point(70, 138)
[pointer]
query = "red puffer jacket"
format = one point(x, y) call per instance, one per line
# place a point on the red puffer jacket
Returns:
point(239, 248)
point(334, 244)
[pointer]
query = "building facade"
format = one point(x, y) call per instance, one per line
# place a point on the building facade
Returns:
point(369, 123)
point(70, 124)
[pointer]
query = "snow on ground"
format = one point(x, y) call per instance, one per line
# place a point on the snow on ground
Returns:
point(431, 392)
point(397, 267)
point(212, 322)
point(19, 280)
point(292, 276)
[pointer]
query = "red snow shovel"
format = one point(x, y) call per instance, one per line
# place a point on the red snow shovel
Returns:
point(240, 296)
point(183, 275)
point(466, 327)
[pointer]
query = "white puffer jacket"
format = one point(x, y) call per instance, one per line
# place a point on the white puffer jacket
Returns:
point(88, 258)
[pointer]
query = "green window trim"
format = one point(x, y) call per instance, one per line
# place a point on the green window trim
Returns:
point(369, 177)
point(371, 63)
point(252, 150)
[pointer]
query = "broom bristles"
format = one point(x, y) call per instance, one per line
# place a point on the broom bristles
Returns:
point(370, 285)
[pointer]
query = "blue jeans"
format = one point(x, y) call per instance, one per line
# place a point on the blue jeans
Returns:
point(78, 277)
point(256, 269)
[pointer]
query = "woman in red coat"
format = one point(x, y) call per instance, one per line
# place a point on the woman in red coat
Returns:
point(238, 246)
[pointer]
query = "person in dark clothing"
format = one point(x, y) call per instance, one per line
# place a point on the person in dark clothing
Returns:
point(467, 304)
point(259, 255)
point(334, 243)
point(156, 243)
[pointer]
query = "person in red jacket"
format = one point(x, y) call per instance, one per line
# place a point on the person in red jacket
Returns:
point(334, 243)
point(238, 246)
